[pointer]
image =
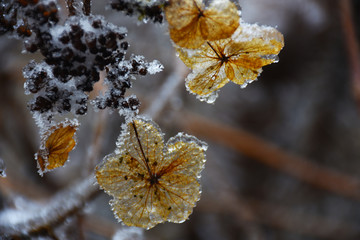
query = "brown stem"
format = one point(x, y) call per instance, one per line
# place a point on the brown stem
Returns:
point(94, 150)
point(352, 47)
point(100, 225)
point(71, 8)
point(58, 208)
point(280, 216)
point(167, 90)
point(271, 155)
point(87, 7)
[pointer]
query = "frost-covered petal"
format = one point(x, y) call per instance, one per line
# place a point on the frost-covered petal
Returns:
point(222, 19)
point(56, 144)
point(191, 24)
point(149, 187)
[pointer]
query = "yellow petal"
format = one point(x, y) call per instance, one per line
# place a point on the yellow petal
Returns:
point(181, 13)
point(188, 36)
point(190, 24)
point(220, 21)
point(57, 143)
point(207, 81)
point(164, 188)
point(182, 165)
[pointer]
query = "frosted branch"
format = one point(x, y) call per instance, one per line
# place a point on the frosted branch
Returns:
point(35, 217)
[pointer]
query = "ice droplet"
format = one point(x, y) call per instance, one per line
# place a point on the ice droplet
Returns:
point(210, 98)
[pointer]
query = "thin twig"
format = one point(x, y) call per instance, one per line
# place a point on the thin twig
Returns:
point(40, 219)
point(94, 149)
point(10, 186)
point(100, 225)
point(225, 196)
point(87, 7)
point(271, 155)
point(251, 213)
point(167, 90)
point(71, 7)
point(281, 217)
point(352, 47)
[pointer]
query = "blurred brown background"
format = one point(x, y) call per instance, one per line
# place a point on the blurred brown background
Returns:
point(284, 153)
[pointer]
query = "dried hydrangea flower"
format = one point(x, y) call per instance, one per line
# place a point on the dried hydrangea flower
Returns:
point(191, 24)
point(56, 144)
point(152, 182)
point(238, 59)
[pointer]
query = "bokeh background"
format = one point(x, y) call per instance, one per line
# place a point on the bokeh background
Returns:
point(284, 153)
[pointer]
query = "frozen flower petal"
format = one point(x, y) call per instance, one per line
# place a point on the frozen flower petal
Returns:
point(150, 182)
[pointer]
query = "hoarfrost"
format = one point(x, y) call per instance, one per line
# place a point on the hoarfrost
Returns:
point(34, 215)
point(183, 137)
point(129, 233)
point(46, 155)
point(119, 78)
point(246, 32)
point(155, 67)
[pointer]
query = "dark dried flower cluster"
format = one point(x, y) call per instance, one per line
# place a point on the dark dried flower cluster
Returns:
point(146, 12)
point(34, 14)
point(119, 78)
point(74, 54)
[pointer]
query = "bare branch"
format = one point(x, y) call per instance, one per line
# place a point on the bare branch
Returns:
point(38, 218)
point(167, 90)
point(351, 46)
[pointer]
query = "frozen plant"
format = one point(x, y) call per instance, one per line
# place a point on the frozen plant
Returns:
point(151, 181)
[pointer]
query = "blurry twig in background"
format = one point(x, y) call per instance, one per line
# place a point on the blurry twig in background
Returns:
point(271, 155)
point(249, 213)
point(243, 214)
point(99, 225)
point(35, 220)
point(278, 216)
point(95, 147)
point(22, 185)
point(297, 221)
point(167, 89)
point(351, 46)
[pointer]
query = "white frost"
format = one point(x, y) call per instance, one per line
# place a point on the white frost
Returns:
point(129, 233)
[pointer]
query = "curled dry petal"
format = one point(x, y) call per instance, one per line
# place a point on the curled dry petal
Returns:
point(56, 144)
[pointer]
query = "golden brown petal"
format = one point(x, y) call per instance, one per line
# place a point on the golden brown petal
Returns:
point(190, 24)
point(179, 180)
point(220, 21)
point(145, 143)
point(207, 81)
point(164, 188)
point(56, 146)
point(239, 59)
point(180, 13)
point(188, 36)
